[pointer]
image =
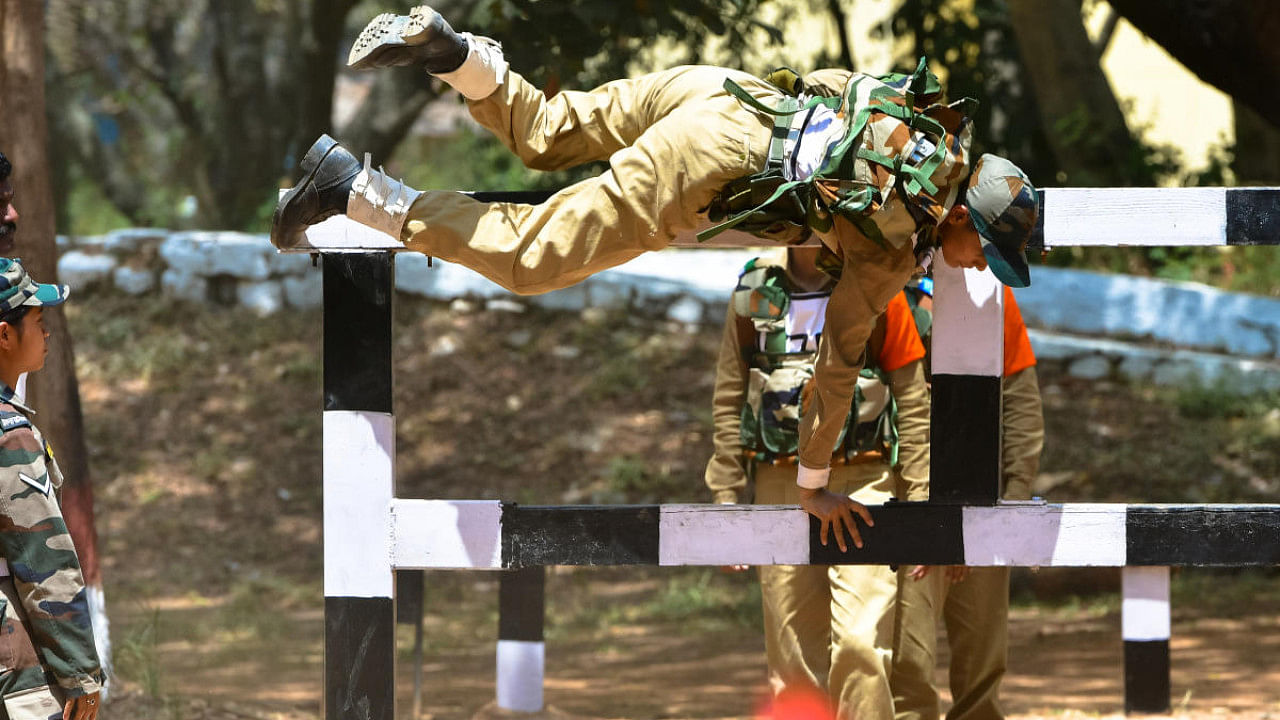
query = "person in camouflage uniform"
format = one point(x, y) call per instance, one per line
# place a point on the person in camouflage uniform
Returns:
point(828, 630)
point(48, 661)
point(871, 166)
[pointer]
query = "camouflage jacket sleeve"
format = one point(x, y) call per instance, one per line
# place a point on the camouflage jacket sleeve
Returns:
point(35, 542)
point(726, 474)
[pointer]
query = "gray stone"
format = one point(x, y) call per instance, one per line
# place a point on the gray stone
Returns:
point(184, 286)
point(264, 298)
point(519, 338)
point(572, 298)
point(504, 305)
point(609, 295)
point(208, 254)
point(566, 352)
point(81, 270)
point(462, 306)
point(441, 281)
point(1090, 367)
point(291, 263)
point(133, 281)
point(685, 310)
point(443, 346)
point(1137, 366)
point(129, 240)
point(304, 291)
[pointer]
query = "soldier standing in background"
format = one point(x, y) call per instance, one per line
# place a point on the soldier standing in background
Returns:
point(46, 638)
point(828, 630)
point(974, 611)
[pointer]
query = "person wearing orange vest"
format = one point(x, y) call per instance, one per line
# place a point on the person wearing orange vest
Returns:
point(827, 629)
point(975, 610)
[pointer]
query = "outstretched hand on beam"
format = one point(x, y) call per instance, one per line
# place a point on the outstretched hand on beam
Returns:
point(835, 512)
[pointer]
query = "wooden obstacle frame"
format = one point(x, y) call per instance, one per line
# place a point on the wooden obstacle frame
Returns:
point(370, 535)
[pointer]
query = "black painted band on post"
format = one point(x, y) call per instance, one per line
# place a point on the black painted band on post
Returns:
point(965, 453)
point(1231, 535)
point(1146, 676)
point(359, 658)
point(522, 604)
point(358, 289)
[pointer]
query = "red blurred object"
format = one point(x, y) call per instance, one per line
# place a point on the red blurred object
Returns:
point(799, 704)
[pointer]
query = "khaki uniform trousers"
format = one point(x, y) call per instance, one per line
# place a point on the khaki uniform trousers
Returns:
point(975, 612)
point(831, 627)
point(673, 139)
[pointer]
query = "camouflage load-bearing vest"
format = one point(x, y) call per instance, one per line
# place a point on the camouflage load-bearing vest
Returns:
point(848, 156)
point(786, 326)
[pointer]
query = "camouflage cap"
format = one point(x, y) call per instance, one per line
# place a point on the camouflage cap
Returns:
point(17, 288)
point(1004, 205)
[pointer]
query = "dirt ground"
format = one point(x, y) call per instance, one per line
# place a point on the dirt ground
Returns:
point(209, 513)
point(1063, 661)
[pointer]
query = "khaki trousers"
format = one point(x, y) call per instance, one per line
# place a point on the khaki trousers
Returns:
point(673, 139)
point(975, 612)
point(831, 627)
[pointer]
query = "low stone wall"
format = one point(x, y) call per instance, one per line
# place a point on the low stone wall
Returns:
point(1094, 325)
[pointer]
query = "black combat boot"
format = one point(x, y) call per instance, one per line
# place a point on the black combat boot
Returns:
point(422, 37)
point(328, 172)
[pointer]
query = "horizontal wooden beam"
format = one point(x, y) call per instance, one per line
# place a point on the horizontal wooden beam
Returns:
point(490, 534)
point(1110, 217)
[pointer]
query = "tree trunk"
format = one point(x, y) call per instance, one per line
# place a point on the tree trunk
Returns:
point(54, 390)
point(1257, 156)
point(1230, 44)
point(1085, 125)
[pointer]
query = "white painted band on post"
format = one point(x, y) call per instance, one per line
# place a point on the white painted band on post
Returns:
point(359, 472)
point(1079, 535)
point(725, 535)
point(446, 534)
point(1145, 612)
point(1135, 216)
point(521, 666)
point(968, 321)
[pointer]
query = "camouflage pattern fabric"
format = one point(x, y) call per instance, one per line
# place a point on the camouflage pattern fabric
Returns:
point(901, 147)
point(1004, 206)
point(45, 633)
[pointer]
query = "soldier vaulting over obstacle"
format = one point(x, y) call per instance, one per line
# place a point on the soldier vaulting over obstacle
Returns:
point(876, 167)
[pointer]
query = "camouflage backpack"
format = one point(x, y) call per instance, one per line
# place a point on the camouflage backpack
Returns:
point(779, 380)
point(882, 135)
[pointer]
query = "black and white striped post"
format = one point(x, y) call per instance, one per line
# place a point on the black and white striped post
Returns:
point(359, 484)
point(369, 534)
point(1146, 620)
point(521, 658)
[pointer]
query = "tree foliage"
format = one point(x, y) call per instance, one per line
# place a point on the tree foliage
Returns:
point(160, 100)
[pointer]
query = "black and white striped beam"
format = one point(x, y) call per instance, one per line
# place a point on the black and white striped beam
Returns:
point(359, 471)
point(1145, 627)
point(1069, 217)
point(1116, 217)
point(968, 360)
point(479, 534)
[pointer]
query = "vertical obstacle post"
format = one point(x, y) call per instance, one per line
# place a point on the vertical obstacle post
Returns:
point(968, 361)
point(359, 471)
point(521, 650)
point(1145, 623)
point(409, 592)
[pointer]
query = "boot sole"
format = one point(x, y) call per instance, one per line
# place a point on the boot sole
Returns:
point(389, 31)
point(311, 162)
